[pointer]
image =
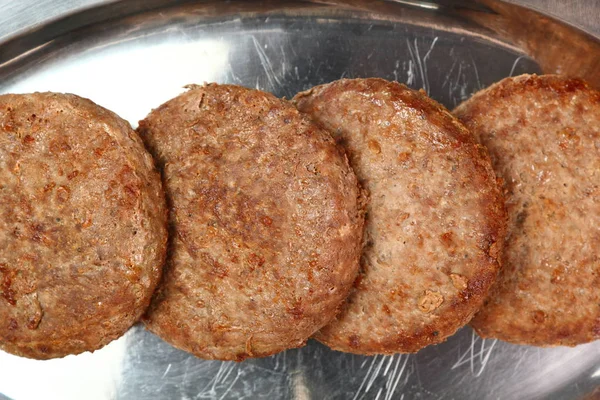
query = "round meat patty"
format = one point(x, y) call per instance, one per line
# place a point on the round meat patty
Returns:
point(543, 134)
point(266, 221)
point(82, 225)
point(435, 220)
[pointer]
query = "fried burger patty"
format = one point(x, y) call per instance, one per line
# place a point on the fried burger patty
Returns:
point(266, 223)
point(543, 134)
point(435, 220)
point(82, 225)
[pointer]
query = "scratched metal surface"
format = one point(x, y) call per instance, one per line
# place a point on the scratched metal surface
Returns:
point(139, 58)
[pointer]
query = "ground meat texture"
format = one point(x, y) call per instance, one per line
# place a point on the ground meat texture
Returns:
point(82, 225)
point(266, 221)
point(543, 134)
point(435, 220)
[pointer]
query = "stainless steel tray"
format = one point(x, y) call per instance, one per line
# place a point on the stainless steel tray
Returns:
point(131, 56)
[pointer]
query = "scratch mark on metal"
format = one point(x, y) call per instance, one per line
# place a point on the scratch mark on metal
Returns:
point(266, 63)
point(479, 87)
point(375, 374)
point(379, 393)
point(522, 357)
point(485, 359)
point(367, 375)
point(421, 62)
point(377, 370)
point(234, 77)
point(458, 75)
point(231, 385)
point(186, 370)
point(166, 371)
point(269, 371)
point(397, 376)
point(512, 70)
point(387, 368)
point(362, 365)
point(457, 90)
point(410, 72)
point(217, 377)
point(435, 39)
point(396, 66)
point(424, 84)
point(425, 62)
point(470, 355)
point(228, 373)
point(284, 61)
point(225, 369)
point(447, 79)
point(414, 56)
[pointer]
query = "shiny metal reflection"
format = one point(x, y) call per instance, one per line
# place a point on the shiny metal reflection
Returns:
point(131, 56)
point(422, 4)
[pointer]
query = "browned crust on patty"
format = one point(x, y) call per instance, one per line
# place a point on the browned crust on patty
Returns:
point(543, 134)
point(265, 218)
point(82, 225)
point(435, 220)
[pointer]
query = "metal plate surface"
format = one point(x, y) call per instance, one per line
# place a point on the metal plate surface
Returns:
point(132, 56)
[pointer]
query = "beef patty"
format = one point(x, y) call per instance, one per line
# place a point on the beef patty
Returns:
point(82, 225)
point(266, 223)
point(543, 134)
point(435, 220)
